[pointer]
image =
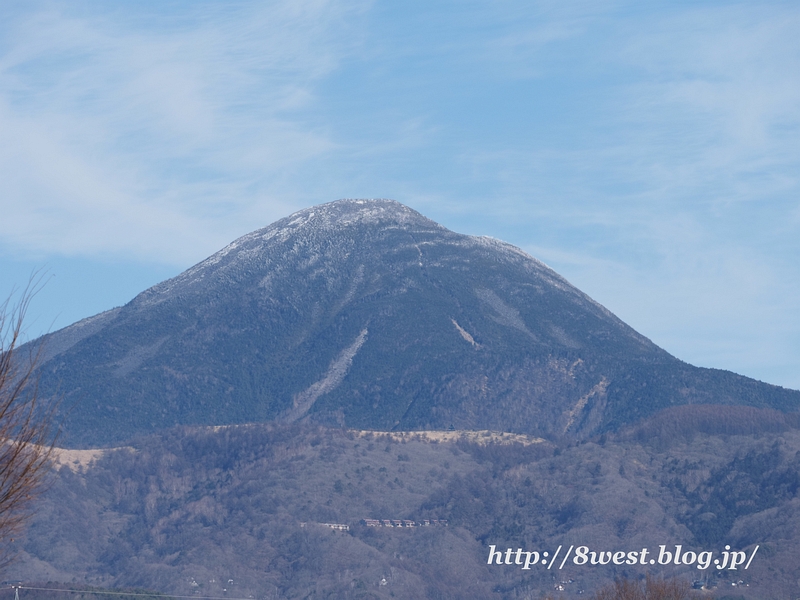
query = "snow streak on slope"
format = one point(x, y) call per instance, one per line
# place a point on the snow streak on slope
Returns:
point(332, 378)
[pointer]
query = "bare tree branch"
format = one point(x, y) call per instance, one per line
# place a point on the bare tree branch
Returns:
point(649, 589)
point(27, 435)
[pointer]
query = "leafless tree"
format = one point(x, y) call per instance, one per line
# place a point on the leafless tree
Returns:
point(650, 589)
point(27, 434)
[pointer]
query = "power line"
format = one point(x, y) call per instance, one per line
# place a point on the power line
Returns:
point(111, 593)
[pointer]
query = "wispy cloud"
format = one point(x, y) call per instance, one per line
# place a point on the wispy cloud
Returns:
point(144, 139)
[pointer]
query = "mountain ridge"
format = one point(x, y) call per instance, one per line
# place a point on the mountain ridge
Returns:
point(366, 314)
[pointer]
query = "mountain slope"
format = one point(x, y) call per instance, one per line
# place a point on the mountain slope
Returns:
point(363, 313)
point(188, 510)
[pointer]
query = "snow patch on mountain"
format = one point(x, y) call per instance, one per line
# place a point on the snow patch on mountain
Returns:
point(332, 378)
point(505, 314)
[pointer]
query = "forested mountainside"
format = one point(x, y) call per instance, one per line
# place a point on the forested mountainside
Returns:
point(365, 314)
point(302, 511)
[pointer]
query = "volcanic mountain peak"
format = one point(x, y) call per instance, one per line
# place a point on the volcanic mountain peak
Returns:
point(364, 313)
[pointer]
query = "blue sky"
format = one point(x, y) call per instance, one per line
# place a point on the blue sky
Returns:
point(649, 152)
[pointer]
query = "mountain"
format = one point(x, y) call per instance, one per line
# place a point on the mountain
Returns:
point(248, 512)
point(365, 314)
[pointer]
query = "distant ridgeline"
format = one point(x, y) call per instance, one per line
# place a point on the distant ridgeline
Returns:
point(284, 510)
point(364, 314)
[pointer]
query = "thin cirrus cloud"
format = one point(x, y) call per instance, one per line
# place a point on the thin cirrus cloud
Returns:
point(689, 116)
point(145, 141)
point(736, 87)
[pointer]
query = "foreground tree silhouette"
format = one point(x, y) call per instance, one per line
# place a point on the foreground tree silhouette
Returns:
point(27, 436)
point(649, 589)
